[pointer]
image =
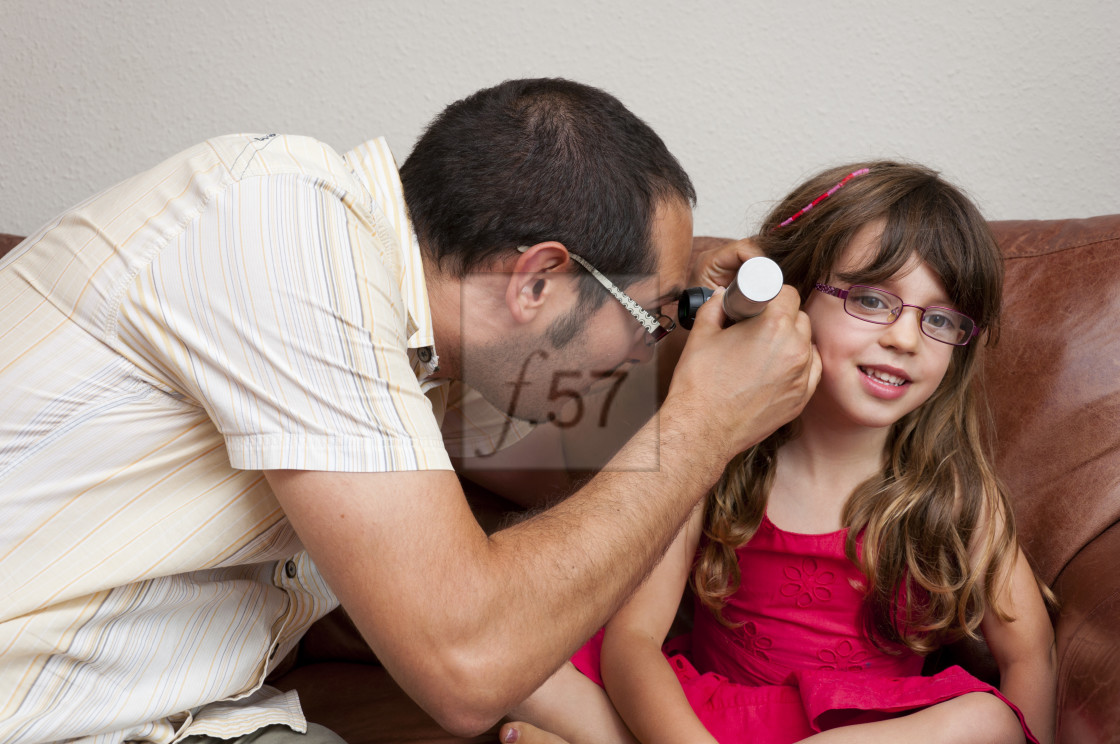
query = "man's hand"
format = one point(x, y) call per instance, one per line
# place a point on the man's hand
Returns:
point(736, 385)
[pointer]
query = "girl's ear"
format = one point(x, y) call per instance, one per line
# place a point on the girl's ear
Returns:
point(533, 279)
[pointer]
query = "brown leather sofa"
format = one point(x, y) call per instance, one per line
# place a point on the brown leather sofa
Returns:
point(1053, 382)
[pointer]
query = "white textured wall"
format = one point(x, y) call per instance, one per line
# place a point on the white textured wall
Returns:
point(1019, 102)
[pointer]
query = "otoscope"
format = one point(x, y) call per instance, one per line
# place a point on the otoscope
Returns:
point(756, 283)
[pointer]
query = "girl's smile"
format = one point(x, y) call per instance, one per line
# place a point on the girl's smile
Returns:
point(888, 383)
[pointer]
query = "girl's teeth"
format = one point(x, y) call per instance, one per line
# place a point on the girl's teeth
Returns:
point(883, 377)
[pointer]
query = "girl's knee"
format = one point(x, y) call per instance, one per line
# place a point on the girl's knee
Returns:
point(551, 701)
point(985, 719)
point(573, 707)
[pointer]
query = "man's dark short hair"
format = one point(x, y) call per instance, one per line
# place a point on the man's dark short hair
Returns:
point(534, 160)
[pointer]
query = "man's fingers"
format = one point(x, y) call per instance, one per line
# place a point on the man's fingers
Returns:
point(710, 316)
point(524, 733)
point(716, 267)
point(815, 370)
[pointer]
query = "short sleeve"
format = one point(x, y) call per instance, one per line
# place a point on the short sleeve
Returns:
point(274, 311)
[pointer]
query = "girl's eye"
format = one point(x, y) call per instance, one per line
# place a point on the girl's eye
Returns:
point(871, 301)
point(939, 320)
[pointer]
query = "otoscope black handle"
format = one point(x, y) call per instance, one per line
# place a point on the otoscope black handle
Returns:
point(689, 302)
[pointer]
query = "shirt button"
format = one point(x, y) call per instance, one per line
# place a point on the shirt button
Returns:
point(425, 354)
point(290, 569)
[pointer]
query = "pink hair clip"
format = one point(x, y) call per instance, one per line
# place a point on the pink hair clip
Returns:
point(825, 195)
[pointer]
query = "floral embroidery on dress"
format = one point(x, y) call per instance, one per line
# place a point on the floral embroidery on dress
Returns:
point(843, 658)
point(754, 644)
point(806, 584)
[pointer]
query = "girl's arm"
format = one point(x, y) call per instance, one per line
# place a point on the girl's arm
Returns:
point(641, 684)
point(1024, 649)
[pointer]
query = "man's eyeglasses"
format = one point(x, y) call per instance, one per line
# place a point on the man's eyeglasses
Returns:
point(882, 307)
point(657, 326)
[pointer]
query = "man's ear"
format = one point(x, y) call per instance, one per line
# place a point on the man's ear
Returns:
point(533, 279)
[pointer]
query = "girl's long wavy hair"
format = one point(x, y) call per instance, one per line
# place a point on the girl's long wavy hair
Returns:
point(938, 537)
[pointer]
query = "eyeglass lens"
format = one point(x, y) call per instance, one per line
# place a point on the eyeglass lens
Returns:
point(879, 306)
point(665, 325)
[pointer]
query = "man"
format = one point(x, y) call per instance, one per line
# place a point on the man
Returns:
point(220, 397)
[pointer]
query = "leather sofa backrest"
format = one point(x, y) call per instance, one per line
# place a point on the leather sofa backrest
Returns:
point(1053, 382)
point(7, 242)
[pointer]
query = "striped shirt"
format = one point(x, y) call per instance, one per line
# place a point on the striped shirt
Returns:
point(252, 303)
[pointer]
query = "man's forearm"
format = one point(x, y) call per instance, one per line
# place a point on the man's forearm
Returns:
point(543, 586)
point(470, 625)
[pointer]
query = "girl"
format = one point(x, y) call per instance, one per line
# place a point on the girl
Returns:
point(836, 554)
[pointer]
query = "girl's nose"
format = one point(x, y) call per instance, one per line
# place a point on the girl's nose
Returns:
point(906, 332)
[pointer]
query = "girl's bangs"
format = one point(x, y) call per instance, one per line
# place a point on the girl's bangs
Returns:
point(929, 229)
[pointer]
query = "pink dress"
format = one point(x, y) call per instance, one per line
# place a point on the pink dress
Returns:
point(798, 661)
